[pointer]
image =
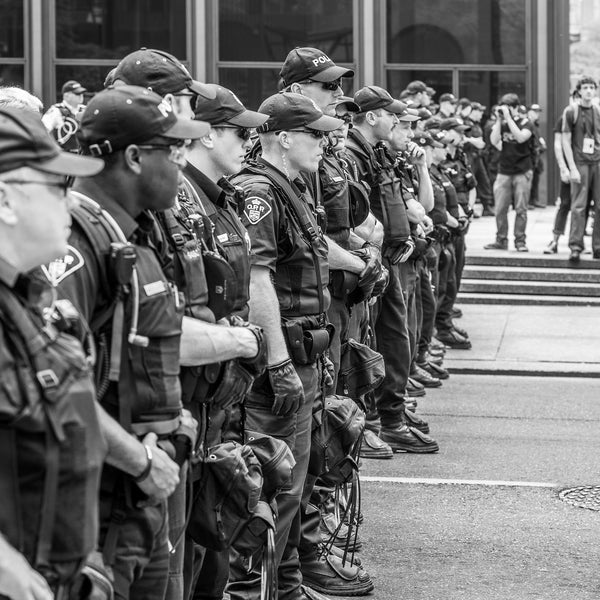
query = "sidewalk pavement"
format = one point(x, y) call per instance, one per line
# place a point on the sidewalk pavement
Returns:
point(527, 340)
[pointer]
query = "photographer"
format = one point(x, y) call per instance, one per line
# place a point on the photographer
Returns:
point(511, 134)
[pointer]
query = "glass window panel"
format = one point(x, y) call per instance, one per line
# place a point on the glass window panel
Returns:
point(456, 31)
point(113, 28)
point(11, 28)
point(12, 75)
point(487, 87)
point(252, 86)
point(440, 81)
point(90, 77)
point(266, 30)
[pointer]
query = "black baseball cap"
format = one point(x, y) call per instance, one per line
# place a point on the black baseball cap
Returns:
point(25, 142)
point(129, 114)
point(535, 107)
point(288, 110)
point(347, 103)
point(477, 106)
point(409, 115)
point(226, 107)
point(159, 71)
point(310, 63)
point(372, 97)
point(510, 99)
point(433, 123)
point(447, 97)
point(415, 87)
point(427, 139)
point(430, 91)
point(424, 113)
point(453, 123)
point(73, 86)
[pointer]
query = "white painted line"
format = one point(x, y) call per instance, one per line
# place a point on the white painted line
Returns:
point(480, 482)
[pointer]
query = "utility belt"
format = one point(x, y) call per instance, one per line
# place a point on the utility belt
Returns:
point(307, 337)
point(440, 234)
point(342, 283)
point(422, 244)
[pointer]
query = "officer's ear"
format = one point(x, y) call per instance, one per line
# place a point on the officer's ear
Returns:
point(284, 139)
point(208, 140)
point(132, 156)
point(170, 99)
point(370, 118)
point(296, 88)
point(8, 214)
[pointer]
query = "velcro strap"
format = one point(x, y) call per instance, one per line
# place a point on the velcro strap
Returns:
point(157, 427)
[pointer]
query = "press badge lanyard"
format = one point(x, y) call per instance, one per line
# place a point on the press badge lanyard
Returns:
point(588, 137)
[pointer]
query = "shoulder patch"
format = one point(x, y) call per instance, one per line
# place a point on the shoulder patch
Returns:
point(256, 209)
point(61, 268)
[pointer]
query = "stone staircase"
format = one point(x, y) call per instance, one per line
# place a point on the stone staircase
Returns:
point(502, 278)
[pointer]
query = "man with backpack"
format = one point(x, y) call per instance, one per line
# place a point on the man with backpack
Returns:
point(114, 275)
point(581, 148)
point(50, 438)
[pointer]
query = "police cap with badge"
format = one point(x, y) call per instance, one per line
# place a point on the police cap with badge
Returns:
point(310, 64)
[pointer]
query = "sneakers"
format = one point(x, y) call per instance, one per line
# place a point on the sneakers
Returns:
point(496, 246)
point(575, 256)
point(551, 248)
point(330, 575)
point(456, 313)
point(408, 439)
point(521, 248)
point(453, 339)
point(423, 377)
point(410, 419)
point(374, 447)
point(414, 389)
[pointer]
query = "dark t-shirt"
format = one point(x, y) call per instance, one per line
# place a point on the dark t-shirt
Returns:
point(515, 158)
point(587, 125)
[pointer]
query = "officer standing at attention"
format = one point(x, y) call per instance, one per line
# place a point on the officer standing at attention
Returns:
point(288, 299)
point(42, 546)
point(374, 124)
point(135, 315)
point(62, 119)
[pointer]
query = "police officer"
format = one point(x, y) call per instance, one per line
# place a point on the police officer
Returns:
point(54, 459)
point(375, 122)
point(288, 298)
point(207, 194)
point(135, 315)
point(62, 119)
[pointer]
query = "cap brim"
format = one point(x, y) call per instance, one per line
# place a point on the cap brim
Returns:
point(202, 90)
point(332, 73)
point(461, 128)
point(187, 129)
point(325, 123)
point(348, 103)
point(80, 90)
point(409, 118)
point(67, 163)
point(397, 108)
point(249, 118)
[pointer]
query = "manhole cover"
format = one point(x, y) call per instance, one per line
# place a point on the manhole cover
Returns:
point(585, 496)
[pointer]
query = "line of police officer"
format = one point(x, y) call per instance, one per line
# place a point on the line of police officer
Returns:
point(205, 306)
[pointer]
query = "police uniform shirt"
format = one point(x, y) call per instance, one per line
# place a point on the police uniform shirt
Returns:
point(278, 243)
point(89, 286)
point(438, 213)
point(334, 194)
point(439, 176)
point(460, 174)
point(515, 157)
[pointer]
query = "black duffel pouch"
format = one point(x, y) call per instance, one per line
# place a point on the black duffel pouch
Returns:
point(316, 341)
point(362, 369)
point(342, 283)
point(294, 337)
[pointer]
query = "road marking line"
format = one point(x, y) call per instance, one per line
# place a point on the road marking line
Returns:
point(480, 482)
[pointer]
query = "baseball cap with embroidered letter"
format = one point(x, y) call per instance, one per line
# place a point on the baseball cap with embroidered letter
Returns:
point(310, 63)
point(25, 142)
point(425, 138)
point(372, 97)
point(288, 111)
point(129, 114)
point(159, 71)
point(73, 86)
point(226, 107)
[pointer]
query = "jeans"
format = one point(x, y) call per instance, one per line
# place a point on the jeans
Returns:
point(426, 300)
point(590, 180)
point(512, 189)
point(339, 316)
point(390, 317)
point(560, 222)
point(295, 430)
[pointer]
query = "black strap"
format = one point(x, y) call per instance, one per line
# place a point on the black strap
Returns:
point(9, 487)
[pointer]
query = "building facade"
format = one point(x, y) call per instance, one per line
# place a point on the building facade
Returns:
point(475, 48)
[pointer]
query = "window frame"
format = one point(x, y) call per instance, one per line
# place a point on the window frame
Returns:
point(25, 60)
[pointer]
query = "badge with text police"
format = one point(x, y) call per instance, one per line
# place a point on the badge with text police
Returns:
point(256, 209)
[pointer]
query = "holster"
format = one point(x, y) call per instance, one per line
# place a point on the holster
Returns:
point(307, 338)
point(342, 283)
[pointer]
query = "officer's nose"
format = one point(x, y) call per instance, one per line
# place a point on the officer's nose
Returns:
point(72, 201)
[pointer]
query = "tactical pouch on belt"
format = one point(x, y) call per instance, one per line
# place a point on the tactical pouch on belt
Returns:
point(342, 283)
point(306, 341)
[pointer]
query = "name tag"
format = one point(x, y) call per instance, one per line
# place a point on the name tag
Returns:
point(446, 184)
point(223, 237)
point(156, 287)
point(337, 178)
point(588, 145)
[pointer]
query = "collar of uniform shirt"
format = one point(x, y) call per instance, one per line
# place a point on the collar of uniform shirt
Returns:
point(213, 191)
point(8, 273)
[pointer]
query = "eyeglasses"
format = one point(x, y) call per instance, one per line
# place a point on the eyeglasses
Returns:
point(318, 135)
point(243, 133)
point(347, 118)
point(64, 185)
point(177, 152)
point(330, 86)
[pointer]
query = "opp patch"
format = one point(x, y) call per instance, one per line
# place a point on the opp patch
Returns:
point(61, 268)
point(256, 209)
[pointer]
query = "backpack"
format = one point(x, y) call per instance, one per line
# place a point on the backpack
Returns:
point(47, 402)
point(362, 369)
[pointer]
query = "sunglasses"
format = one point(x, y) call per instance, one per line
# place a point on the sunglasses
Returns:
point(330, 86)
point(177, 151)
point(318, 135)
point(64, 185)
point(244, 133)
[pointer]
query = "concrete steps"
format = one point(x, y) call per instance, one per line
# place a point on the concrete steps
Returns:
point(502, 278)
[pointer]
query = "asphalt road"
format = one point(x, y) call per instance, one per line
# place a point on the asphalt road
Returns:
point(482, 519)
